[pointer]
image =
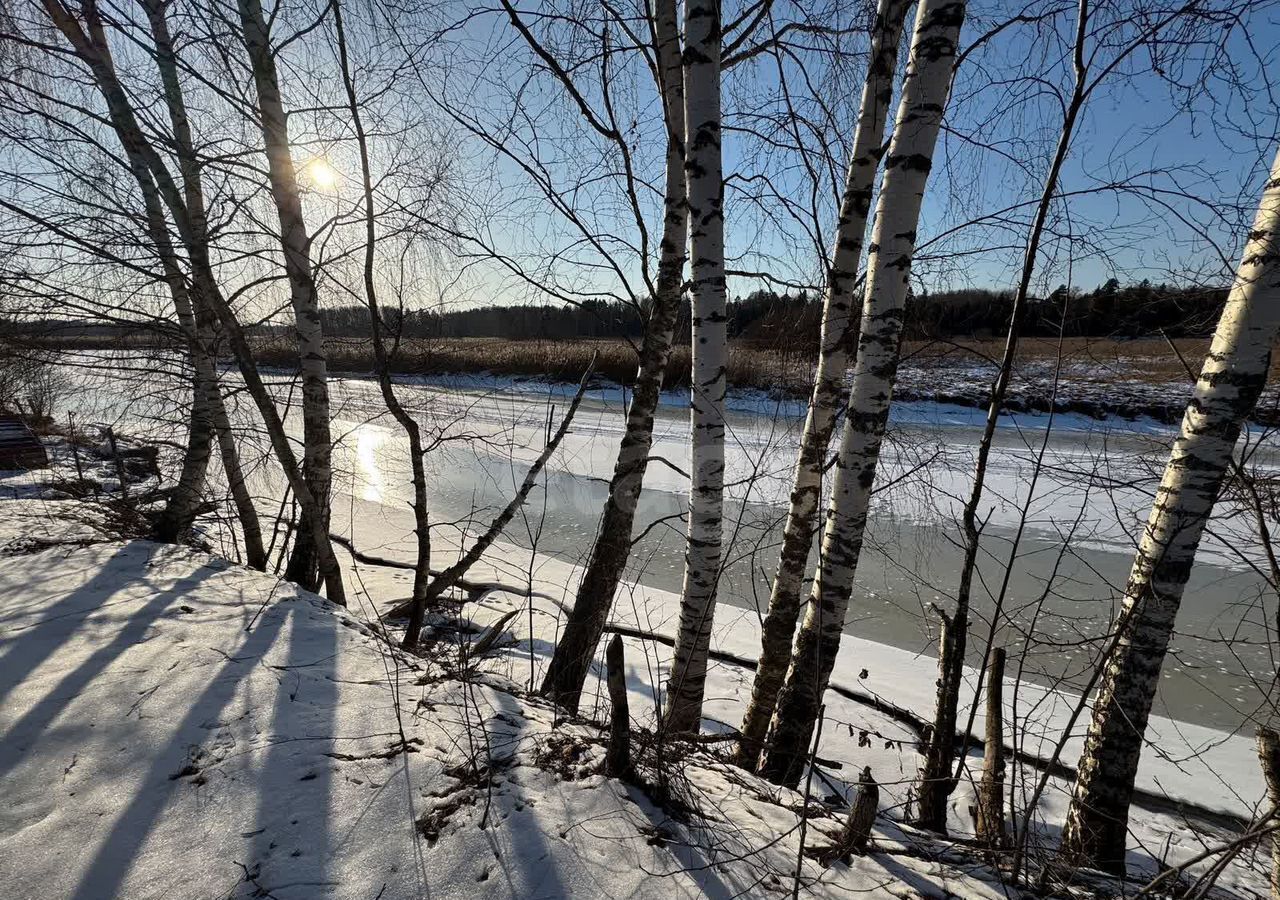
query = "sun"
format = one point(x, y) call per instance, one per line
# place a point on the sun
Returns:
point(322, 174)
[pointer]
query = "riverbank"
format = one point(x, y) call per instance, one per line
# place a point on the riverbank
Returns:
point(1096, 377)
point(315, 759)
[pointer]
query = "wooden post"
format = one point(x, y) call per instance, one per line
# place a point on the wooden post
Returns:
point(115, 455)
point(1269, 757)
point(990, 825)
point(618, 760)
point(73, 438)
point(857, 828)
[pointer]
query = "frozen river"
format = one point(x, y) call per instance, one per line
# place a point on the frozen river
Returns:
point(1092, 492)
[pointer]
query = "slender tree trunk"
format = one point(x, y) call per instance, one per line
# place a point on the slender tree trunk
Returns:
point(205, 320)
point(838, 332)
point(703, 175)
point(296, 244)
point(856, 833)
point(91, 46)
point(1269, 760)
point(1233, 376)
point(617, 762)
point(422, 530)
point(452, 575)
point(183, 502)
point(936, 781)
point(910, 155)
point(250, 524)
point(158, 190)
point(577, 645)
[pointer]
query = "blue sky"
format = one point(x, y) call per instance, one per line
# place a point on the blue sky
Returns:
point(1163, 173)
point(1161, 181)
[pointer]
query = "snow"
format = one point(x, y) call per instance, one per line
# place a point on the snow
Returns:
point(177, 726)
point(174, 725)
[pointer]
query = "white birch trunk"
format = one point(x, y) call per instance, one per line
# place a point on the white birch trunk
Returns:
point(296, 244)
point(577, 645)
point(158, 190)
point(710, 355)
point(204, 318)
point(838, 332)
point(91, 46)
point(1230, 382)
point(924, 97)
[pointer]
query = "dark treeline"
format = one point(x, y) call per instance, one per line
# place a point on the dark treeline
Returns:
point(769, 318)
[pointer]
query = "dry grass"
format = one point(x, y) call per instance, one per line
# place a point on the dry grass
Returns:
point(769, 369)
point(787, 370)
point(933, 367)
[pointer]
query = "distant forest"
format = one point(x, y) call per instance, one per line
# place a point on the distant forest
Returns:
point(766, 318)
point(769, 318)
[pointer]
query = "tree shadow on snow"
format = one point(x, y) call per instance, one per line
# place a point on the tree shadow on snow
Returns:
point(29, 647)
point(293, 843)
point(53, 632)
point(115, 857)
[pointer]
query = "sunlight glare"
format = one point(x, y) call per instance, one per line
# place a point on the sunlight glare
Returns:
point(322, 174)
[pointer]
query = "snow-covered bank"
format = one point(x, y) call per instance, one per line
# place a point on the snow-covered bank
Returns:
point(911, 406)
point(1183, 759)
point(173, 725)
point(176, 726)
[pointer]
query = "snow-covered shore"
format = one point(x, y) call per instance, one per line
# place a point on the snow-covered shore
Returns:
point(174, 725)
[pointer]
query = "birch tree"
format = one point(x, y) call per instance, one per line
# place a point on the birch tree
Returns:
point(836, 341)
point(586, 622)
point(90, 45)
point(1228, 388)
point(296, 245)
point(159, 191)
point(204, 357)
point(926, 88)
point(703, 176)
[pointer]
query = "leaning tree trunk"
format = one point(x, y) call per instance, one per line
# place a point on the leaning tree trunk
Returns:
point(924, 97)
point(1228, 388)
point(205, 319)
point(205, 354)
point(577, 645)
point(183, 502)
point(255, 555)
point(710, 356)
point(91, 46)
point(838, 332)
point(296, 244)
point(937, 779)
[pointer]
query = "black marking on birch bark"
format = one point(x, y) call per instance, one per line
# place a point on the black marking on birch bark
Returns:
point(916, 162)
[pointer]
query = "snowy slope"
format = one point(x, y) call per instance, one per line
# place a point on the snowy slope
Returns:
point(172, 725)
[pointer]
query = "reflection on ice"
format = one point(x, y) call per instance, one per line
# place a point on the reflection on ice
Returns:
point(368, 476)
